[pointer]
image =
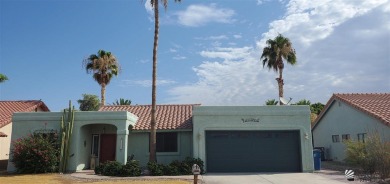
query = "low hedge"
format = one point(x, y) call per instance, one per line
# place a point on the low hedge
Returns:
point(175, 167)
point(114, 168)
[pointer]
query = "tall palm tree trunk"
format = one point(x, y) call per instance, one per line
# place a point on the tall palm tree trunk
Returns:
point(103, 95)
point(152, 144)
point(280, 81)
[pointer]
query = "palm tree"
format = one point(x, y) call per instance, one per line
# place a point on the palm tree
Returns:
point(103, 66)
point(122, 101)
point(276, 51)
point(152, 144)
point(303, 102)
point(3, 78)
point(271, 102)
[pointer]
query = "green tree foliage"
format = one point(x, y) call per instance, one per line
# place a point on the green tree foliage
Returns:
point(302, 102)
point(122, 101)
point(3, 78)
point(316, 108)
point(89, 103)
point(271, 102)
point(275, 53)
point(104, 66)
point(36, 153)
point(371, 156)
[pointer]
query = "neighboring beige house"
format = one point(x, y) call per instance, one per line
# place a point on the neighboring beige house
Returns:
point(351, 116)
point(7, 109)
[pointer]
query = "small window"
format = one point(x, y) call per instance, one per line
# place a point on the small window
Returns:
point(345, 137)
point(335, 138)
point(166, 142)
point(95, 145)
point(362, 137)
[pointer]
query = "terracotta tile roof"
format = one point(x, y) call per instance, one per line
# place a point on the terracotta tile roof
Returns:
point(168, 117)
point(376, 105)
point(3, 134)
point(7, 108)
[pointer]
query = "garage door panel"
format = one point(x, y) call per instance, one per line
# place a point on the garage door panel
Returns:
point(253, 151)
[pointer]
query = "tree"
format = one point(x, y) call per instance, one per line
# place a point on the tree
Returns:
point(89, 102)
point(3, 78)
point(122, 101)
point(271, 102)
point(302, 102)
point(274, 54)
point(104, 66)
point(316, 108)
point(152, 144)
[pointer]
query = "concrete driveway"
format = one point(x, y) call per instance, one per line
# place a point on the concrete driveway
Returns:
point(331, 177)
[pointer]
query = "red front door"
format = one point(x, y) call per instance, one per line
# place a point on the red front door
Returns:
point(107, 147)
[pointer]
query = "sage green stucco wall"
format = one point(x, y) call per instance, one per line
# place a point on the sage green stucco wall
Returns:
point(341, 118)
point(271, 118)
point(139, 146)
point(85, 124)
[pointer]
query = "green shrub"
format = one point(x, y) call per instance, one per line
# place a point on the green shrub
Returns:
point(111, 168)
point(371, 157)
point(36, 154)
point(131, 168)
point(175, 167)
point(155, 169)
point(99, 169)
point(191, 161)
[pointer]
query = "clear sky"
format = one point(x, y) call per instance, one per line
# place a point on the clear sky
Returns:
point(208, 50)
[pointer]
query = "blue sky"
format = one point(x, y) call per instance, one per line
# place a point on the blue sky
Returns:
point(208, 50)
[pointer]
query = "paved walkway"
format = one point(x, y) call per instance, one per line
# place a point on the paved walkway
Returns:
point(319, 177)
point(90, 175)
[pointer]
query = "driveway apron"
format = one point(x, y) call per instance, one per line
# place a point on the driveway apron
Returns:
point(274, 178)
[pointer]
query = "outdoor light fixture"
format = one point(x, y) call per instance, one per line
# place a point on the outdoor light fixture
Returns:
point(306, 136)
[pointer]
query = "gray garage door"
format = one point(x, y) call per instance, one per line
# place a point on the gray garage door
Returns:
point(253, 151)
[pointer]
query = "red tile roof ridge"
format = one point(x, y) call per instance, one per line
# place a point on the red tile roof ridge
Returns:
point(381, 111)
point(8, 107)
point(169, 116)
point(151, 105)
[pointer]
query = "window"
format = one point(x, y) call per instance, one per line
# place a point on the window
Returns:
point(345, 137)
point(335, 138)
point(95, 145)
point(362, 137)
point(166, 142)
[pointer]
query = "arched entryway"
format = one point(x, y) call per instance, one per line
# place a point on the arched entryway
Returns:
point(99, 143)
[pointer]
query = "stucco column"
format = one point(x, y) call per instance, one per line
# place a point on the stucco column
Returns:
point(121, 146)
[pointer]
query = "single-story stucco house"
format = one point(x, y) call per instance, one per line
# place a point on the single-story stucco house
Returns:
point(351, 116)
point(226, 138)
point(7, 108)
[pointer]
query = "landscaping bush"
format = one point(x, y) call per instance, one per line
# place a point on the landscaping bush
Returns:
point(36, 154)
point(131, 168)
point(191, 161)
point(371, 157)
point(114, 168)
point(111, 168)
point(155, 169)
point(99, 169)
point(175, 167)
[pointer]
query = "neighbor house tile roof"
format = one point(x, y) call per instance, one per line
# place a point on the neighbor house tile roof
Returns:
point(168, 117)
point(376, 105)
point(7, 108)
point(3, 134)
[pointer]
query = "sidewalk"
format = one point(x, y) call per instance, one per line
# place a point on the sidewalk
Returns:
point(91, 176)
